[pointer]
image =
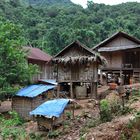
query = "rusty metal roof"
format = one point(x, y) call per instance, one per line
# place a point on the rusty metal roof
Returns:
point(37, 54)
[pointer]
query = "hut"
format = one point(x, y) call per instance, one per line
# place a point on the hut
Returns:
point(122, 52)
point(51, 113)
point(41, 59)
point(76, 69)
point(30, 97)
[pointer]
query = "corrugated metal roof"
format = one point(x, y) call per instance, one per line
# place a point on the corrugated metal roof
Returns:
point(34, 90)
point(49, 81)
point(52, 108)
point(37, 54)
point(111, 49)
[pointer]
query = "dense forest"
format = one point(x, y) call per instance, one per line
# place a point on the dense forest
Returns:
point(51, 25)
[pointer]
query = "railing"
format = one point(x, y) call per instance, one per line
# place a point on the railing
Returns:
point(127, 66)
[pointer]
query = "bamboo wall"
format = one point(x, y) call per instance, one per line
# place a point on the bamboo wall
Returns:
point(45, 70)
point(48, 123)
point(24, 105)
point(77, 73)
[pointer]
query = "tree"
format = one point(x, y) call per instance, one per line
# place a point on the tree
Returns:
point(14, 68)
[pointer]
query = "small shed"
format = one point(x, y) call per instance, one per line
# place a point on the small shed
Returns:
point(51, 113)
point(76, 67)
point(30, 97)
point(41, 59)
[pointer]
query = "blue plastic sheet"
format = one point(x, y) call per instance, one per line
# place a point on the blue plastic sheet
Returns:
point(52, 108)
point(34, 90)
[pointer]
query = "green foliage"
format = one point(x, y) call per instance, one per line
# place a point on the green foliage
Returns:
point(68, 115)
point(92, 123)
point(14, 68)
point(53, 134)
point(51, 25)
point(131, 130)
point(34, 136)
point(9, 129)
point(83, 130)
point(105, 111)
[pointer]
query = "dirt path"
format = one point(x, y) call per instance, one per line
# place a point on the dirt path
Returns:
point(105, 131)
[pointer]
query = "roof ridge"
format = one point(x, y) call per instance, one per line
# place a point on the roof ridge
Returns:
point(115, 35)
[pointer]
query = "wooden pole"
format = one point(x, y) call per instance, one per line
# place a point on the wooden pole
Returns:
point(71, 90)
point(121, 78)
point(91, 85)
point(73, 110)
point(58, 90)
point(101, 77)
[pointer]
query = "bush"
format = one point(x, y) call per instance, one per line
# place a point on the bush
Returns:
point(53, 134)
point(131, 130)
point(10, 129)
point(92, 123)
point(105, 111)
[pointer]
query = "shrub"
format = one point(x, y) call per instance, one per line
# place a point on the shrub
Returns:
point(92, 123)
point(131, 130)
point(105, 111)
point(53, 134)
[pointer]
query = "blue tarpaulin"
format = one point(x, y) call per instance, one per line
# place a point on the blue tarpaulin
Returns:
point(52, 108)
point(34, 90)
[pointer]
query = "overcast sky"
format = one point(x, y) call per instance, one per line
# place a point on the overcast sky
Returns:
point(110, 2)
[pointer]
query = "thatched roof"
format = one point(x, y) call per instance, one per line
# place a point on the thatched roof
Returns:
point(76, 44)
point(92, 56)
point(80, 59)
point(120, 33)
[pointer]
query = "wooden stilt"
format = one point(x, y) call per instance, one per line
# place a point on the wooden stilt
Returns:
point(71, 90)
point(121, 77)
point(101, 77)
point(92, 92)
point(58, 90)
point(107, 78)
point(73, 110)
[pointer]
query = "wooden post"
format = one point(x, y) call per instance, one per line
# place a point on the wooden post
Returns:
point(73, 110)
point(101, 77)
point(58, 90)
point(121, 78)
point(93, 90)
point(91, 86)
point(71, 90)
point(107, 78)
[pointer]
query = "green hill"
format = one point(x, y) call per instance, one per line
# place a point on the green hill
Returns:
point(53, 26)
point(45, 2)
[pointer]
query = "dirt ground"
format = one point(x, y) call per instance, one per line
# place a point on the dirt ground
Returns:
point(105, 131)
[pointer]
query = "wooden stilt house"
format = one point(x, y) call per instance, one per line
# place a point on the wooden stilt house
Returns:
point(76, 70)
point(31, 97)
point(122, 52)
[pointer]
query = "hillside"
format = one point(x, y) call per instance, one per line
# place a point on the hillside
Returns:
point(44, 2)
point(52, 27)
